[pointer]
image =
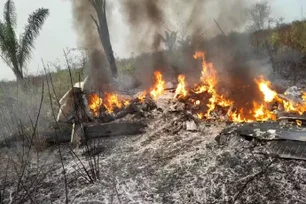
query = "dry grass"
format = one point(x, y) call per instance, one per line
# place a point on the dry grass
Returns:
point(186, 167)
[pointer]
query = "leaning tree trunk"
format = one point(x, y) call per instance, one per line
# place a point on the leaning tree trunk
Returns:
point(102, 26)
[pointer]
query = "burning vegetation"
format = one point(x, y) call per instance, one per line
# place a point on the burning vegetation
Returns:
point(206, 101)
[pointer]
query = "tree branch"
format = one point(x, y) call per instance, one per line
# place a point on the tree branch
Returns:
point(251, 178)
point(219, 27)
point(96, 22)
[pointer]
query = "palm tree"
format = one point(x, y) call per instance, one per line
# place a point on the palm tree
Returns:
point(169, 39)
point(14, 51)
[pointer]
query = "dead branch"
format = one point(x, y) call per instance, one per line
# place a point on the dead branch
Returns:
point(219, 27)
point(250, 179)
point(95, 21)
point(59, 148)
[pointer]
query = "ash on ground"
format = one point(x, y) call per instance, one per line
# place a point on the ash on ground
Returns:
point(170, 163)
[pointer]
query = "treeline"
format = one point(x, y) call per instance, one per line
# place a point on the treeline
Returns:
point(292, 35)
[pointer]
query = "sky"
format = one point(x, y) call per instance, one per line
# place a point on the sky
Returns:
point(58, 33)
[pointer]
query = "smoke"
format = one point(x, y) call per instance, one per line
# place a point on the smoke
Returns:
point(145, 19)
point(195, 18)
point(88, 38)
point(201, 20)
point(205, 22)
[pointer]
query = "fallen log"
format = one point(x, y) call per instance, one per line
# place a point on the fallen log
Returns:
point(113, 129)
point(100, 130)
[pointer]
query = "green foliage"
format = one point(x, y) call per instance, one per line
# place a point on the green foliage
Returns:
point(62, 82)
point(291, 35)
point(274, 39)
point(126, 66)
point(16, 52)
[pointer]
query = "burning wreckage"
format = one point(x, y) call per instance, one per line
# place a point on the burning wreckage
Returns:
point(275, 120)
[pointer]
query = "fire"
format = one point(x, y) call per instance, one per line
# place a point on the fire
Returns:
point(112, 101)
point(270, 95)
point(299, 123)
point(264, 87)
point(261, 113)
point(200, 116)
point(95, 103)
point(224, 102)
point(209, 80)
point(304, 96)
point(142, 96)
point(126, 102)
point(237, 117)
point(299, 108)
point(159, 86)
point(212, 101)
point(181, 87)
point(208, 83)
point(209, 75)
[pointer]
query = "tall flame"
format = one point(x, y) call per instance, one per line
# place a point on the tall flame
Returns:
point(264, 87)
point(209, 81)
point(159, 86)
point(95, 103)
point(112, 101)
point(181, 87)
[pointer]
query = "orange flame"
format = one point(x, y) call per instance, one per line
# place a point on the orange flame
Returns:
point(237, 117)
point(209, 81)
point(159, 86)
point(111, 102)
point(304, 96)
point(299, 123)
point(181, 87)
point(299, 108)
point(270, 95)
point(142, 96)
point(200, 116)
point(261, 113)
point(264, 87)
point(95, 103)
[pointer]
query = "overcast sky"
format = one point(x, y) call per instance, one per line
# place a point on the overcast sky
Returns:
point(58, 33)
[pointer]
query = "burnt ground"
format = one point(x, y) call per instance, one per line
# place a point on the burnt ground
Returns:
point(167, 164)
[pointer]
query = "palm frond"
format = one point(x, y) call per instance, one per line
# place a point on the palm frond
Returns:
point(8, 45)
point(3, 47)
point(9, 41)
point(9, 14)
point(35, 23)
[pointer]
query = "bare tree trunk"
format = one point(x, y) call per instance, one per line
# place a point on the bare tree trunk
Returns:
point(102, 26)
point(18, 74)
